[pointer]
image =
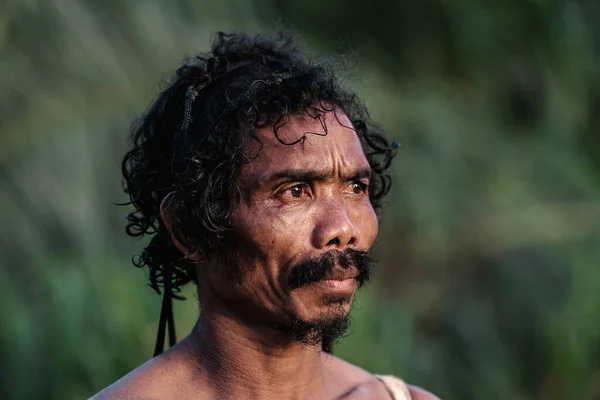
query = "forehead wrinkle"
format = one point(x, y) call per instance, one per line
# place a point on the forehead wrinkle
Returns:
point(340, 166)
point(313, 150)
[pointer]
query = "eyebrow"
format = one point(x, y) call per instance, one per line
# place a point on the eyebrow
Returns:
point(313, 175)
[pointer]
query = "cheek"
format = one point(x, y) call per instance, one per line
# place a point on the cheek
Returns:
point(271, 236)
point(368, 224)
point(272, 230)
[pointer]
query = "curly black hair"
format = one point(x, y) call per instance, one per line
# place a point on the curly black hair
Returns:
point(189, 144)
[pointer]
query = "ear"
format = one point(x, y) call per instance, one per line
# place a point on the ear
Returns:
point(166, 216)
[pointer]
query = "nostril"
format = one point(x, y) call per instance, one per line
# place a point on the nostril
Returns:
point(334, 241)
point(352, 241)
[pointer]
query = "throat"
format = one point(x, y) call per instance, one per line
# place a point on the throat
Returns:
point(236, 362)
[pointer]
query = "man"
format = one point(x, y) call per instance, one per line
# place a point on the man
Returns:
point(259, 178)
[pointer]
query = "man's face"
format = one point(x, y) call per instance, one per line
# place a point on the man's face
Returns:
point(304, 213)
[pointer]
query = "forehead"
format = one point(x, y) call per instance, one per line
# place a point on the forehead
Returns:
point(327, 143)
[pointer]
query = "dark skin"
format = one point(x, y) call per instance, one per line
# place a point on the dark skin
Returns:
point(295, 202)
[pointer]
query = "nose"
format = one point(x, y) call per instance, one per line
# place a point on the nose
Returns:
point(334, 228)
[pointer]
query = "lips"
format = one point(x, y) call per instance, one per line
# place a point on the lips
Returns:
point(345, 286)
point(341, 275)
point(339, 281)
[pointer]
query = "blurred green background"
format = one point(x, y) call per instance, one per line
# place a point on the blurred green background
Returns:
point(488, 285)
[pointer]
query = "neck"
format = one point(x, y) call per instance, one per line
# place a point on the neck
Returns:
point(239, 361)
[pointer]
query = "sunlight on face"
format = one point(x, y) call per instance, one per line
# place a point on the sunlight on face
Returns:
point(306, 201)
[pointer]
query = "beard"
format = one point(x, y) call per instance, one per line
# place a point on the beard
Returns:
point(326, 331)
point(329, 328)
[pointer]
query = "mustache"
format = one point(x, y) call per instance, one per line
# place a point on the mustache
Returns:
point(318, 269)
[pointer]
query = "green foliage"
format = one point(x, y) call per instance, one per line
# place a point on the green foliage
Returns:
point(488, 273)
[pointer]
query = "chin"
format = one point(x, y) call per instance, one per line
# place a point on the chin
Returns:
point(325, 330)
point(322, 318)
point(314, 305)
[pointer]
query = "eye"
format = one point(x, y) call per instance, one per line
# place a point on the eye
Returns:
point(296, 191)
point(358, 187)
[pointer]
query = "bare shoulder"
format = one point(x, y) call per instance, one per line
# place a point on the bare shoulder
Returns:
point(355, 382)
point(341, 368)
point(417, 393)
point(365, 384)
point(148, 381)
point(138, 384)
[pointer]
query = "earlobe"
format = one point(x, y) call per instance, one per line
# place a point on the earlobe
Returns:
point(166, 217)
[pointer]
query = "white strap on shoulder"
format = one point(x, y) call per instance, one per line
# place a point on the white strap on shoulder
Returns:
point(395, 386)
